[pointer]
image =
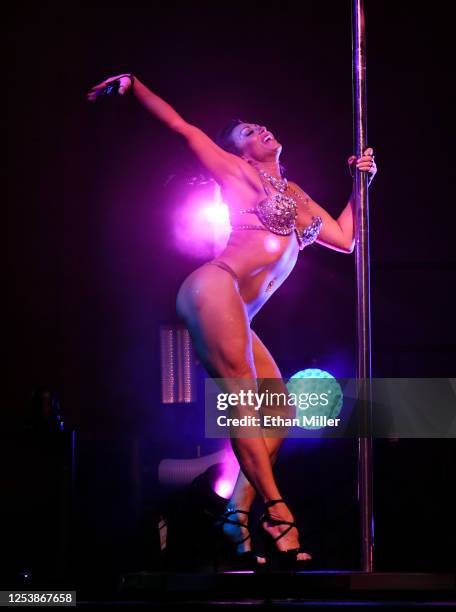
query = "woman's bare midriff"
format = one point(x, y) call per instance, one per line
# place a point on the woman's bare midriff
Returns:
point(262, 261)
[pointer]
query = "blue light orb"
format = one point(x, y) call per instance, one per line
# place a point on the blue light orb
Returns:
point(317, 394)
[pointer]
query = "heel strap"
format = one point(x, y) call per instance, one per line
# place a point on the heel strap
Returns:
point(274, 522)
point(231, 510)
point(223, 519)
point(271, 502)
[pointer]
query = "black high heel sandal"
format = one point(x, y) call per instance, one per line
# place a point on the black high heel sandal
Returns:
point(226, 549)
point(275, 558)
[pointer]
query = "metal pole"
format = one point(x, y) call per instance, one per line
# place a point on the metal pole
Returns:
point(363, 373)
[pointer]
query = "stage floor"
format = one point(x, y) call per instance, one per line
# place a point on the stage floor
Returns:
point(313, 589)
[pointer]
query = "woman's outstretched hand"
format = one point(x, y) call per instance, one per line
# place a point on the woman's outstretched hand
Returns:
point(123, 81)
point(366, 163)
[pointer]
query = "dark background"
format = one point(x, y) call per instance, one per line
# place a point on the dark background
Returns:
point(94, 270)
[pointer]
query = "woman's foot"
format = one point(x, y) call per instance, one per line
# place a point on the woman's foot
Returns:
point(280, 512)
point(238, 532)
point(234, 523)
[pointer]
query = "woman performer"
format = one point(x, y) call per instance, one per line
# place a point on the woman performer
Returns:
point(272, 219)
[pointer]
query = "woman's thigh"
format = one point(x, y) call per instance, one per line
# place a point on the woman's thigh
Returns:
point(210, 305)
point(271, 382)
point(265, 365)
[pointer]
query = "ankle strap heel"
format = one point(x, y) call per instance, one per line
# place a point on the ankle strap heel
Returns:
point(227, 549)
point(282, 559)
point(223, 519)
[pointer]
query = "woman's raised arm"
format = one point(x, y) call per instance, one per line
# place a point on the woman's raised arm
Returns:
point(222, 165)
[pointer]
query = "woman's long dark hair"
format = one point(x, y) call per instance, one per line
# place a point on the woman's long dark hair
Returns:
point(224, 138)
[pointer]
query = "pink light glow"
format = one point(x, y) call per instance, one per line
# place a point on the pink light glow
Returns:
point(224, 484)
point(224, 488)
point(217, 213)
point(271, 244)
point(201, 224)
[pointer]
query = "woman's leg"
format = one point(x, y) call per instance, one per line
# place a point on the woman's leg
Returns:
point(243, 493)
point(210, 305)
point(265, 366)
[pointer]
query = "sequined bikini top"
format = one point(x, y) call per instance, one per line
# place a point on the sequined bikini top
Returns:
point(278, 214)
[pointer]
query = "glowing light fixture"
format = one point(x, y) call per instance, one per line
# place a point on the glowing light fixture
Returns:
point(318, 394)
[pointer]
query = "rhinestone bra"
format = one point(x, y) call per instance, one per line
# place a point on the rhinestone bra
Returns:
point(278, 214)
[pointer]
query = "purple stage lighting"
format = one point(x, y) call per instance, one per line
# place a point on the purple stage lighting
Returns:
point(226, 479)
point(202, 224)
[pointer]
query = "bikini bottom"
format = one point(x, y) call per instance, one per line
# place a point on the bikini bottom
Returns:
point(224, 266)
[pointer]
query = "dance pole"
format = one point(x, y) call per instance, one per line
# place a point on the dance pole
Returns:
point(363, 373)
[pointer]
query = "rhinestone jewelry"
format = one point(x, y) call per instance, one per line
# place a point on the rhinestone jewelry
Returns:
point(278, 213)
point(279, 184)
point(310, 233)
